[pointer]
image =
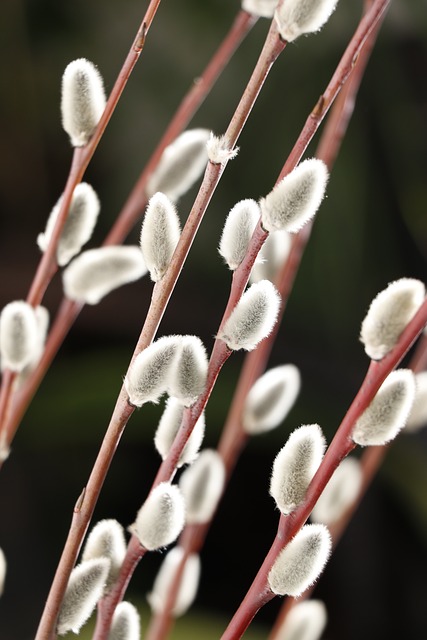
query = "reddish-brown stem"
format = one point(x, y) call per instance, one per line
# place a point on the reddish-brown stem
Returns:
point(131, 210)
point(341, 445)
point(135, 552)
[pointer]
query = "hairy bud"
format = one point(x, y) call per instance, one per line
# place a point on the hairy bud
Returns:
point(85, 588)
point(305, 621)
point(126, 623)
point(295, 18)
point(261, 8)
point(107, 540)
point(295, 200)
point(218, 151)
point(78, 227)
point(340, 492)
point(388, 411)
point(389, 314)
point(187, 378)
point(188, 586)
point(97, 272)
point(272, 256)
point(270, 399)
point(19, 335)
point(418, 416)
point(3, 568)
point(83, 100)
point(238, 229)
point(148, 375)
point(301, 562)
point(253, 318)
point(159, 235)
point(202, 485)
point(168, 427)
point(295, 465)
point(161, 518)
point(181, 164)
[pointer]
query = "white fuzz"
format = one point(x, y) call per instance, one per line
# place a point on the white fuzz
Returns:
point(19, 335)
point(218, 152)
point(418, 416)
point(42, 318)
point(187, 589)
point(253, 318)
point(261, 8)
point(94, 273)
point(187, 377)
point(107, 540)
point(295, 465)
point(238, 229)
point(270, 399)
point(3, 568)
point(161, 518)
point(389, 410)
point(297, 17)
point(390, 312)
point(159, 235)
point(340, 492)
point(273, 254)
point(295, 200)
point(168, 428)
point(82, 102)
point(147, 376)
point(301, 562)
point(181, 164)
point(202, 485)
point(78, 227)
point(305, 621)
point(85, 588)
point(126, 623)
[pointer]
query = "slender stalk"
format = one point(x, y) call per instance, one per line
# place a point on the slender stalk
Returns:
point(130, 212)
point(341, 445)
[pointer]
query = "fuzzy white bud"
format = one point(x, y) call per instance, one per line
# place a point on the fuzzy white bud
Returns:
point(19, 335)
point(107, 540)
point(187, 377)
point(78, 227)
point(238, 229)
point(261, 8)
point(273, 254)
point(340, 492)
point(181, 164)
point(270, 399)
point(301, 562)
point(161, 518)
point(305, 621)
point(82, 102)
point(42, 318)
point(295, 465)
point(218, 151)
point(202, 485)
point(85, 588)
point(3, 568)
point(253, 318)
point(418, 416)
point(295, 18)
point(147, 376)
point(97, 272)
point(168, 427)
point(126, 623)
point(295, 200)
point(390, 312)
point(388, 411)
point(188, 586)
point(159, 235)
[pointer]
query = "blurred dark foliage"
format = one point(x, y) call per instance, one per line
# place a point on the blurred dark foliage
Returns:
point(371, 230)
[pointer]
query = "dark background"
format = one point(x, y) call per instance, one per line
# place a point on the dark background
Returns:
point(371, 229)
